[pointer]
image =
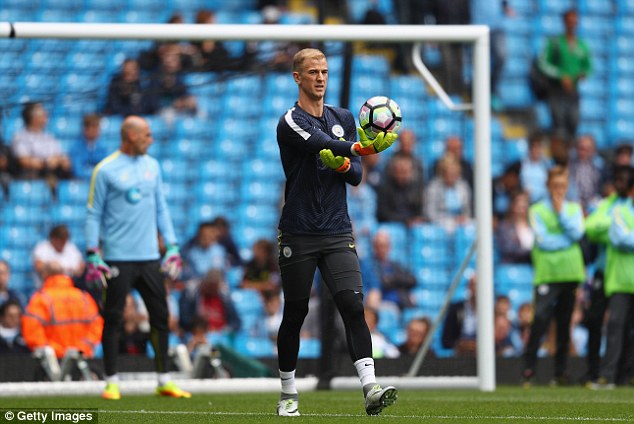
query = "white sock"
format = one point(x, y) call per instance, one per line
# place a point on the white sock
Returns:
point(114, 378)
point(163, 378)
point(288, 382)
point(365, 370)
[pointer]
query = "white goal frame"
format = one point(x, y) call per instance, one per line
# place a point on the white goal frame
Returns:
point(477, 35)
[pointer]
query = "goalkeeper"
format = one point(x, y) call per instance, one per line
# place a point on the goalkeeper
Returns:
point(319, 156)
point(126, 205)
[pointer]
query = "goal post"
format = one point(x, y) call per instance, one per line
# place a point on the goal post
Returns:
point(476, 35)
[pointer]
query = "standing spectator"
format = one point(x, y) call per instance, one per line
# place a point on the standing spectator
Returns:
point(59, 248)
point(8, 294)
point(452, 12)
point(125, 92)
point(559, 268)
point(226, 240)
point(585, 173)
point(622, 157)
point(401, 194)
point(391, 278)
point(454, 146)
point(461, 323)
point(514, 235)
point(493, 13)
point(11, 340)
point(134, 329)
point(87, 151)
point(203, 252)
point(381, 347)
point(417, 332)
point(261, 273)
point(534, 169)
point(38, 153)
point(565, 59)
point(124, 218)
point(619, 289)
point(209, 55)
point(61, 316)
point(505, 187)
point(448, 196)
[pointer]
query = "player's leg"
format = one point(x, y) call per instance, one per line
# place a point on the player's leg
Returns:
point(114, 301)
point(340, 269)
point(543, 298)
point(151, 287)
point(615, 335)
point(593, 320)
point(298, 262)
point(563, 314)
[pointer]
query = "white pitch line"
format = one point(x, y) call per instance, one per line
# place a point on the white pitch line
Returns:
point(419, 417)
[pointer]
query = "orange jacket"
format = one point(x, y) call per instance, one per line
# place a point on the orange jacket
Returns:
point(62, 316)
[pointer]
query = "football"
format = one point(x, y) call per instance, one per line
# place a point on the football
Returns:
point(380, 114)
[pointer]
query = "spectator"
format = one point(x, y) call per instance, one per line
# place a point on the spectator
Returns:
point(150, 59)
point(391, 278)
point(61, 316)
point(448, 196)
point(401, 194)
point(505, 187)
point(60, 249)
point(514, 236)
point(7, 294)
point(125, 92)
point(38, 153)
point(622, 157)
point(502, 306)
point(227, 241)
point(87, 151)
point(209, 55)
point(461, 322)
point(372, 170)
point(417, 333)
point(534, 169)
point(11, 340)
point(203, 252)
point(566, 59)
point(559, 268)
point(407, 149)
point(198, 334)
point(585, 173)
point(455, 147)
point(522, 326)
point(381, 347)
point(452, 12)
point(7, 167)
point(273, 313)
point(502, 328)
point(135, 333)
point(261, 273)
point(209, 299)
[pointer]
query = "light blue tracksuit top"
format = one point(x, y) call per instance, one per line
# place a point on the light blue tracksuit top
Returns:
point(126, 207)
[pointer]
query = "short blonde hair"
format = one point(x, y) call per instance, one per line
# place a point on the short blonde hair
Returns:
point(557, 171)
point(306, 54)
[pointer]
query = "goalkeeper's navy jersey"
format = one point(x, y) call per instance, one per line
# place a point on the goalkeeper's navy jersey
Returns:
point(315, 195)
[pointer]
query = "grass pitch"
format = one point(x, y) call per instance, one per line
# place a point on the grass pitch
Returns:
point(505, 405)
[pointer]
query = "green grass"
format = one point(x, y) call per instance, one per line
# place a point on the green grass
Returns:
point(505, 405)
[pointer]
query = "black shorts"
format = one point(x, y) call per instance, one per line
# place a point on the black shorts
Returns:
point(335, 256)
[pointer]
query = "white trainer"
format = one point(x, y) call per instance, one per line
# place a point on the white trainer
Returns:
point(288, 408)
point(379, 398)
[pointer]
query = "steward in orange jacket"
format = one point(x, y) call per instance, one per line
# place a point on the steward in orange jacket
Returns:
point(62, 316)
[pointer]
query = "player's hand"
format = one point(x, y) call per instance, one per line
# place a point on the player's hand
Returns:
point(365, 146)
point(172, 263)
point(338, 163)
point(97, 271)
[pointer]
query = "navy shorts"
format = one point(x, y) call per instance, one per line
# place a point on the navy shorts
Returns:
point(334, 255)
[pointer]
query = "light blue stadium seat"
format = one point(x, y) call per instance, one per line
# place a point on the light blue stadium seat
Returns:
point(105, 5)
point(254, 346)
point(513, 276)
point(624, 24)
point(555, 7)
point(516, 93)
point(515, 150)
point(432, 275)
point(223, 192)
point(35, 192)
point(551, 25)
point(262, 170)
point(66, 126)
point(18, 15)
point(111, 126)
point(280, 82)
point(624, 45)
point(371, 64)
point(246, 235)
point(260, 191)
point(310, 348)
point(68, 214)
point(21, 236)
point(175, 169)
point(389, 319)
point(591, 108)
point(57, 15)
point(368, 85)
point(189, 127)
point(99, 16)
point(247, 301)
point(176, 192)
point(247, 85)
point(595, 8)
point(145, 16)
point(258, 214)
point(625, 7)
point(217, 170)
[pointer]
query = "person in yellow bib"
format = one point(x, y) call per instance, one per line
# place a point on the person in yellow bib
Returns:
point(559, 268)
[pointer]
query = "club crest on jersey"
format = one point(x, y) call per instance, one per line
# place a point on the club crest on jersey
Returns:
point(287, 252)
point(133, 195)
point(337, 130)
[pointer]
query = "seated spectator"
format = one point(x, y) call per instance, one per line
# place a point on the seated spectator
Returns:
point(8, 294)
point(198, 335)
point(226, 240)
point(622, 157)
point(203, 252)
point(585, 169)
point(273, 313)
point(60, 249)
point(7, 167)
point(407, 149)
point(381, 347)
point(417, 333)
point(135, 333)
point(209, 55)
point(504, 188)
point(11, 340)
point(379, 272)
point(514, 235)
point(61, 316)
point(150, 59)
point(262, 272)
point(38, 153)
point(455, 147)
point(461, 323)
point(534, 170)
point(400, 194)
point(87, 151)
point(522, 326)
point(502, 336)
point(448, 196)
point(125, 92)
point(210, 300)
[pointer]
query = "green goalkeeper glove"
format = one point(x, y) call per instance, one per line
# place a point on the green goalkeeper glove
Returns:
point(338, 163)
point(365, 146)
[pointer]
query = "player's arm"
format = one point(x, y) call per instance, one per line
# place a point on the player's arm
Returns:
point(545, 240)
point(621, 236)
point(572, 222)
point(96, 269)
point(172, 263)
point(598, 222)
